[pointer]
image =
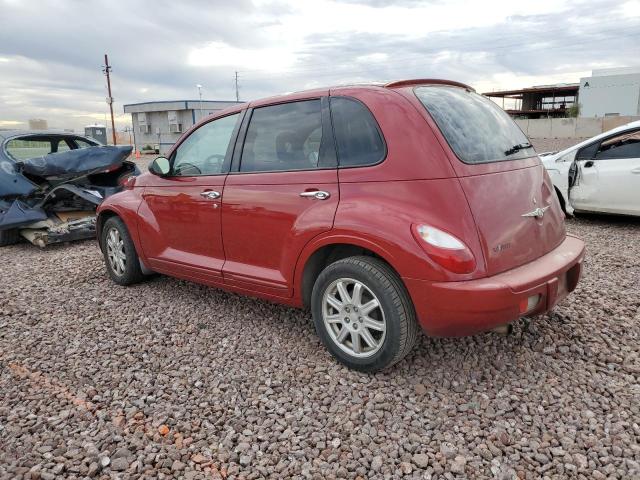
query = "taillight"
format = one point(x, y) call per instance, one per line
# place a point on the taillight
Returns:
point(445, 249)
point(128, 182)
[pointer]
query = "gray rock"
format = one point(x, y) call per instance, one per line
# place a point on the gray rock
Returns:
point(376, 463)
point(448, 450)
point(458, 464)
point(119, 464)
point(421, 460)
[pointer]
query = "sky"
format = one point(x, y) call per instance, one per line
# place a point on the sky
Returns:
point(52, 51)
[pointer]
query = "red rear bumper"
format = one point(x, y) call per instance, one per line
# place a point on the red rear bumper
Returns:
point(465, 308)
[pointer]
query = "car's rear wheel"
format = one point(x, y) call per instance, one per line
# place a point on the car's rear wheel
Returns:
point(120, 256)
point(363, 313)
point(9, 237)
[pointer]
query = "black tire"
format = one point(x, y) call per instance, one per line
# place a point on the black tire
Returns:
point(562, 203)
point(9, 237)
point(131, 272)
point(395, 304)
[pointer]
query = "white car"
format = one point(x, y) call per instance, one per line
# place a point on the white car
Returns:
point(601, 174)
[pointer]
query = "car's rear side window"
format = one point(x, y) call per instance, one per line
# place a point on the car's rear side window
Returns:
point(283, 137)
point(358, 138)
point(477, 129)
point(26, 148)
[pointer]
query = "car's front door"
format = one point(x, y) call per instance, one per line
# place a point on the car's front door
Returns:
point(181, 233)
point(609, 175)
point(283, 192)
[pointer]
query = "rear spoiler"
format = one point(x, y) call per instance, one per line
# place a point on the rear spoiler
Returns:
point(427, 81)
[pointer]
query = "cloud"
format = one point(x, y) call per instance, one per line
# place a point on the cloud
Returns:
point(51, 52)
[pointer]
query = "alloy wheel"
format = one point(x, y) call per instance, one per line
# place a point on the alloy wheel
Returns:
point(115, 252)
point(354, 318)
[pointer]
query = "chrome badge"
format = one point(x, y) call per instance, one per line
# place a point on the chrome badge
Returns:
point(537, 213)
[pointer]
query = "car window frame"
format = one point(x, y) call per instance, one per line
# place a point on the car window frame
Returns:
point(449, 144)
point(327, 154)
point(377, 125)
point(5, 146)
point(226, 163)
point(588, 152)
point(74, 140)
point(602, 140)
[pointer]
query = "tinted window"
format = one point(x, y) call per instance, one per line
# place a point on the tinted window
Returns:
point(23, 149)
point(358, 138)
point(283, 137)
point(203, 152)
point(477, 129)
point(624, 145)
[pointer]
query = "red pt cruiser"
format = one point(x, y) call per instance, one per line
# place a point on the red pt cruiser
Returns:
point(381, 208)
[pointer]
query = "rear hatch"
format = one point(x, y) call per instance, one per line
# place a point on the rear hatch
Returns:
point(510, 195)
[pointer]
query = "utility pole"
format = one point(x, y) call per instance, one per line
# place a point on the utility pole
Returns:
point(199, 87)
point(106, 71)
point(237, 89)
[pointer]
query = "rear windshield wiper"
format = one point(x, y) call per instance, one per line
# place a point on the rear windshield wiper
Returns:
point(517, 148)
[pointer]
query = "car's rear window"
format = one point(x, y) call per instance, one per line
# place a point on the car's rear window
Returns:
point(477, 129)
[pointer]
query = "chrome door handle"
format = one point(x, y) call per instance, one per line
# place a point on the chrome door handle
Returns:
point(317, 194)
point(636, 170)
point(210, 194)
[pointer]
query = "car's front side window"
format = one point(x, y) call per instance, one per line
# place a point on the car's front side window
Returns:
point(622, 146)
point(62, 145)
point(283, 137)
point(204, 151)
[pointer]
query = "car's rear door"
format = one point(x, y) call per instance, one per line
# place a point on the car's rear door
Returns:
point(609, 175)
point(281, 192)
point(180, 229)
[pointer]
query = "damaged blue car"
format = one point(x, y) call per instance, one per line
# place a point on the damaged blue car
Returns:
point(52, 182)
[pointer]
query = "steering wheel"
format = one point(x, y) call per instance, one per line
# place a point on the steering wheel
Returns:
point(216, 159)
point(186, 169)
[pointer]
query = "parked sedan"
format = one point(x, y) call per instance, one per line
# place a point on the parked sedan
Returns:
point(51, 183)
point(601, 174)
point(381, 208)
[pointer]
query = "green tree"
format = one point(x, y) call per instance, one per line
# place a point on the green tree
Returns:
point(573, 111)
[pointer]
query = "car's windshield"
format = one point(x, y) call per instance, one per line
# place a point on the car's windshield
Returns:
point(477, 129)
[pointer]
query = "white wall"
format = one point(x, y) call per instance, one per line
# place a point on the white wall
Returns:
point(571, 127)
point(610, 94)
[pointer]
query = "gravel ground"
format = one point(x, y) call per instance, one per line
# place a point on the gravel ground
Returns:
point(169, 379)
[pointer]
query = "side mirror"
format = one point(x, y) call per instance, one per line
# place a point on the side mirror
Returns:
point(160, 166)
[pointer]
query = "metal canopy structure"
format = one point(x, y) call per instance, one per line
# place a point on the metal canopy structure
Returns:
point(540, 101)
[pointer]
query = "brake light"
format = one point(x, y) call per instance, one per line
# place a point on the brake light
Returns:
point(445, 249)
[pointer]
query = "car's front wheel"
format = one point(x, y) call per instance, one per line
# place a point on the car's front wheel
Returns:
point(363, 313)
point(120, 256)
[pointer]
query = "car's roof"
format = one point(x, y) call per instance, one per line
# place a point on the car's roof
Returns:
point(365, 85)
point(44, 133)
